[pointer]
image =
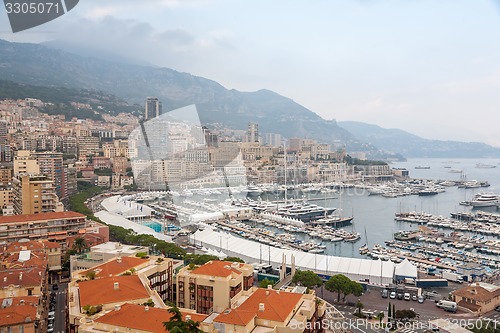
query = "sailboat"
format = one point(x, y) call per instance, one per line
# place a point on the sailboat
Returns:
point(364, 249)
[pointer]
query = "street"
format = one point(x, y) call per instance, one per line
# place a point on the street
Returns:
point(60, 308)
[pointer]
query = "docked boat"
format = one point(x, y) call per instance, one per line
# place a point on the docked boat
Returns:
point(427, 191)
point(305, 212)
point(484, 200)
point(422, 167)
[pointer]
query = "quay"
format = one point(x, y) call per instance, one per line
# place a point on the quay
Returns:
point(428, 262)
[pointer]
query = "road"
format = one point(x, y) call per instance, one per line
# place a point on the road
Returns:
point(60, 308)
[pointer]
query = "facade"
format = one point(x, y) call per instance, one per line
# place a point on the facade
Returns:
point(34, 194)
point(152, 108)
point(51, 165)
point(51, 226)
point(253, 132)
point(24, 163)
point(213, 286)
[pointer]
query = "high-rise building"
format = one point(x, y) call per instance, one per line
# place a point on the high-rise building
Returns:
point(51, 165)
point(34, 194)
point(253, 132)
point(153, 108)
point(24, 163)
point(273, 139)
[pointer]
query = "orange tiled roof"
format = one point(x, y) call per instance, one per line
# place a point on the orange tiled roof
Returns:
point(16, 312)
point(470, 306)
point(40, 217)
point(101, 291)
point(136, 318)
point(30, 277)
point(216, 268)
point(278, 305)
point(476, 293)
point(114, 267)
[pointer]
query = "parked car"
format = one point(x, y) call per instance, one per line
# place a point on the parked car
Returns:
point(392, 295)
point(400, 296)
point(497, 308)
point(385, 293)
point(407, 296)
point(420, 299)
point(414, 297)
point(55, 287)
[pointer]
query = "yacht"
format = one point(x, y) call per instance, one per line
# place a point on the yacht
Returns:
point(485, 166)
point(484, 200)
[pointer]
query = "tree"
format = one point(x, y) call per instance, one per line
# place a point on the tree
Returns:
point(380, 316)
point(308, 279)
point(353, 288)
point(389, 311)
point(394, 311)
point(80, 244)
point(264, 283)
point(359, 306)
point(234, 259)
point(177, 325)
point(337, 283)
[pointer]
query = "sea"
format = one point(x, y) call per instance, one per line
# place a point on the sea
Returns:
point(374, 214)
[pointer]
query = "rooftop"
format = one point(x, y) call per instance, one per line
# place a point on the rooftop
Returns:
point(115, 266)
point(217, 268)
point(136, 317)
point(102, 291)
point(18, 310)
point(40, 217)
point(478, 291)
point(24, 277)
point(277, 307)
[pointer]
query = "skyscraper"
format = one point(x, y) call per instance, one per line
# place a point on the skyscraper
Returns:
point(152, 108)
point(253, 132)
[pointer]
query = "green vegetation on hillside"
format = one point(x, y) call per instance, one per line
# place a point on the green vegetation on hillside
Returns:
point(61, 99)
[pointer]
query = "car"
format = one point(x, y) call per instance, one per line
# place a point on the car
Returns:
point(414, 297)
point(407, 296)
point(50, 329)
point(55, 287)
point(392, 295)
point(400, 295)
point(385, 293)
point(497, 308)
point(420, 299)
point(51, 317)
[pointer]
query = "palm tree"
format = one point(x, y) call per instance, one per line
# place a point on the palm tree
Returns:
point(360, 306)
point(80, 244)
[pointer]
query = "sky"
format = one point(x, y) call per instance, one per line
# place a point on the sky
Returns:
point(431, 68)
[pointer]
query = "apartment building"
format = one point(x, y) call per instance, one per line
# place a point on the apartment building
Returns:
point(34, 194)
point(50, 226)
point(158, 272)
point(213, 286)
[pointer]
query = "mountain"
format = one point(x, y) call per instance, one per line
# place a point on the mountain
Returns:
point(399, 141)
point(39, 65)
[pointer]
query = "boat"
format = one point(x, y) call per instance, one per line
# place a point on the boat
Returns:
point(485, 166)
point(422, 167)
point(364, 249)
point(484, 200)
point(427, 191)
point(455, 171)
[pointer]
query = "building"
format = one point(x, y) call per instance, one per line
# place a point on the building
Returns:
point(69, 182)
point(34, 194)
point(5, 175)
point(158, 271)
point(6, 198)
point(120, 165)
point(213, 286)
point(19, 314)
point(253, 132)
point(22, 282)
point(103, 252)
point(139, 318)
point(152, 108)
point(273, 139)
point(101, 162)
point(50, 226)
point(478, 297)
point(51, 165)
point(88, 145)
point(116, 148)
point(24, 163)
point(267, 310)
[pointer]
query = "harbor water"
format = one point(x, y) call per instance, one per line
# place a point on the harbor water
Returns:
point(374, 214)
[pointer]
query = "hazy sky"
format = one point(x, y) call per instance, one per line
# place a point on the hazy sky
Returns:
point(429, 67)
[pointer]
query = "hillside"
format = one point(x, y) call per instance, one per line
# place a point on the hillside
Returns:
point(38, 65)
point(399, 141)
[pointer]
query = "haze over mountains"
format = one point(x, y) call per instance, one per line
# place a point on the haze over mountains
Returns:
point(39, 65)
